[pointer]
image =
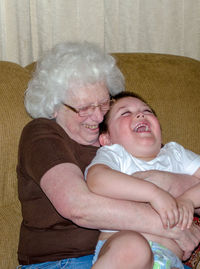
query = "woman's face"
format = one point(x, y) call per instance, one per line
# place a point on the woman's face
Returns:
point(85, 129)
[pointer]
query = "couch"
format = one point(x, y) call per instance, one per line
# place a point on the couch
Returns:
point(171, 85)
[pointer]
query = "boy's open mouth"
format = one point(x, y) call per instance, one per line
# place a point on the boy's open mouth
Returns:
point(142, 127)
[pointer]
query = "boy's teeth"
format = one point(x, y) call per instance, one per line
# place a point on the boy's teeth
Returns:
point(141, 128)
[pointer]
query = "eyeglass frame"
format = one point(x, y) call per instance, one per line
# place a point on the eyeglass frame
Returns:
point(109, 101)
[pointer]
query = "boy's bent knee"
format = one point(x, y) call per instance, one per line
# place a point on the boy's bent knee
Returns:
point(129, 250)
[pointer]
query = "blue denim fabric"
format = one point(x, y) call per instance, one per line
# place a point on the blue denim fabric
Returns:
point(84, 262)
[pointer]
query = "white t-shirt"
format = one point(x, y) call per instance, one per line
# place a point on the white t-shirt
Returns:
point(172, 158)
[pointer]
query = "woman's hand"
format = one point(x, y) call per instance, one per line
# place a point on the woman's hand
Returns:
point(187, 239)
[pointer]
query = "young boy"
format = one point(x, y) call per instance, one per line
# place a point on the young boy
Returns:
point(131, 135)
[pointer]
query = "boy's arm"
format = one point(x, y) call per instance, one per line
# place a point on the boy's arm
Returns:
point(197, 193)
point(105, 181)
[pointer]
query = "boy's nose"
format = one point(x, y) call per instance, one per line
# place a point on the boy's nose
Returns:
point(139, 115)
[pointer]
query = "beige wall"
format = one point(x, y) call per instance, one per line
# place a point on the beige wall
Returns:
point(29, 27)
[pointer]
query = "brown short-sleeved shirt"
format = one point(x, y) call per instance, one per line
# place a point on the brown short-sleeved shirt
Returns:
point(45, 235)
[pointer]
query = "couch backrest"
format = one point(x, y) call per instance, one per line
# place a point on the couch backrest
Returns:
point(171, 85)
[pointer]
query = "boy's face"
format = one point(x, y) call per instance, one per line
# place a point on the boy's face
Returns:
point(133, 125)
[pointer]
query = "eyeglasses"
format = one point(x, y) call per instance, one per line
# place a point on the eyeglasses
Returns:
point(88, 110)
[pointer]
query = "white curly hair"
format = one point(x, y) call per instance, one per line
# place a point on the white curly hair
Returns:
point(66, 63)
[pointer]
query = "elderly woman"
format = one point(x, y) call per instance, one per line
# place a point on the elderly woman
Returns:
point(68, 97)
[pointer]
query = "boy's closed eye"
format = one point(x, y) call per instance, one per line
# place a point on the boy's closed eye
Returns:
point(145, 111)
point(125, 113)
point(148, 111)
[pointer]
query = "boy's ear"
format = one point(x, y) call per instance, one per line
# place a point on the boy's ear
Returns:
point(104, 139)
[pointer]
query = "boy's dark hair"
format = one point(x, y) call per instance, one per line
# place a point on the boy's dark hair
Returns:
point(128, 94)
point(103, 126)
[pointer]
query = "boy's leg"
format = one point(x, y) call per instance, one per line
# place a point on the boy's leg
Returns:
point(125, 249)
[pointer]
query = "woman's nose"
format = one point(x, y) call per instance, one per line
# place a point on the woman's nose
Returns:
point(97, 115)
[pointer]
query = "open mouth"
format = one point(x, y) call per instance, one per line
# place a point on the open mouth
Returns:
point(142, 127)
point(91, 127)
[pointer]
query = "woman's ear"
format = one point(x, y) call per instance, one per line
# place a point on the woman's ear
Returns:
point(104, 139)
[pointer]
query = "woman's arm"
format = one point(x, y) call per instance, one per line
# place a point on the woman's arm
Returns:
point(66, 189)
point(105, 181)
point(175, 184)
point(194, 192)
point(192, 195)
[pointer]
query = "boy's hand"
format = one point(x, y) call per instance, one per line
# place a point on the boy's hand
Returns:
point(166, 207)
point(186, 212)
